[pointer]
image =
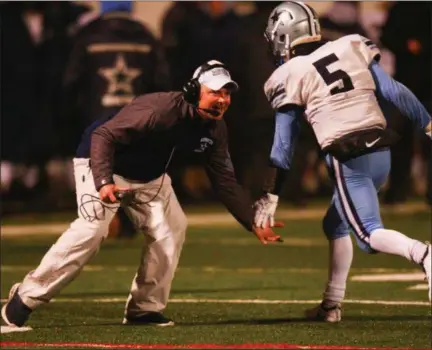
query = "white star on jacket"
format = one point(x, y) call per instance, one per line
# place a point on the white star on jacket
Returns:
point(120, 78)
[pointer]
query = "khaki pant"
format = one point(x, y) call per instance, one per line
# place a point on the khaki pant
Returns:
point(162, 221)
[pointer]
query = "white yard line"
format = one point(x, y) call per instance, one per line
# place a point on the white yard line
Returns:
point(97, 268)
point(393, 277)
point(245, 301)
point(204, 219)
point(419, 287)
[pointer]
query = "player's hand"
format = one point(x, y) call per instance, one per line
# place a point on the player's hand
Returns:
point(109, 193)
point(265, 209)
point(267, 235)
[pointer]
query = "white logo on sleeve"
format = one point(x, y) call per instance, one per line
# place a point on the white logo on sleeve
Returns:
point(204, 143)
point(370, 144)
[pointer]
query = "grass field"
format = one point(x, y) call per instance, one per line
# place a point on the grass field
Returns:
point(230, 290)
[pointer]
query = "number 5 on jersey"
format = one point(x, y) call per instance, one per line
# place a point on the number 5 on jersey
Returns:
point(322, 67)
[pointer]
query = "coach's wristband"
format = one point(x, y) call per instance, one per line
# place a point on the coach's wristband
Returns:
point(103, 182)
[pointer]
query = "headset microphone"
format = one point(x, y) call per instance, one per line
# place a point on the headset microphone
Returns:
point(213, 112)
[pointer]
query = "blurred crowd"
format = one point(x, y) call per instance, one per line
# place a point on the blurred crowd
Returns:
point(64, 65)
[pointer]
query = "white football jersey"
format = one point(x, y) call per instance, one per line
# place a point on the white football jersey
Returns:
point(334, 85)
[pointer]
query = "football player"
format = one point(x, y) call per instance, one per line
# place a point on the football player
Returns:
point(339, 87)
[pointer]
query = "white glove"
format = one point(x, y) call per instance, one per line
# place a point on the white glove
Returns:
point(265, 209)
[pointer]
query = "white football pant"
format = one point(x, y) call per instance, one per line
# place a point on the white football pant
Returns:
point(162, 222)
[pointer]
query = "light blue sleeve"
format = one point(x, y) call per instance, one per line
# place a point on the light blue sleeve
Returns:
point(400, 96)
point(286, 131)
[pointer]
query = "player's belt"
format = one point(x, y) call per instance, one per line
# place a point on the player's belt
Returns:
point(361, 142)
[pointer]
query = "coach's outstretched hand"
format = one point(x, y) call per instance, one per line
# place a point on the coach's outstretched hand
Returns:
point(266, 234)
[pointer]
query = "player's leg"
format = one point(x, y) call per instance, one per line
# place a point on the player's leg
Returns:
point(164, 225)
point(65, 259)
point(358, 181)
point(341, 255)
point(340, 259)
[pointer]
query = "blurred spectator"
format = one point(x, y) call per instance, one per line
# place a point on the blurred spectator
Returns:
point(372, 20)
point(36, 43)
point(20, 41)
point(114, 59)
point(407, 34)
point(341, 18)
point(252, 133)
point(194, 32)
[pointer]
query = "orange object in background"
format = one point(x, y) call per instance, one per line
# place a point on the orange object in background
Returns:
point(414, 46)
point(216, 7)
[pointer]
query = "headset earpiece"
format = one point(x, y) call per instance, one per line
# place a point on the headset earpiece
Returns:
point(191, 91)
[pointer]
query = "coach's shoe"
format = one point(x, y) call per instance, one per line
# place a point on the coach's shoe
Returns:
point(426, 264)
point(15, 312)
point(149, 318)
point(321, 313)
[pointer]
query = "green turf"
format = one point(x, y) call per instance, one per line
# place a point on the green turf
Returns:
point(32, 218)
point(229, 263)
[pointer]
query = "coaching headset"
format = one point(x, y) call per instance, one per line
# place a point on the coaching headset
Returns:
point(192, 88)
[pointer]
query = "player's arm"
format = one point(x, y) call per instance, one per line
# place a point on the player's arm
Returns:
point(286, 99)
point(130, 124)
point(401, 97)
point(286, 132)
point(221, 173)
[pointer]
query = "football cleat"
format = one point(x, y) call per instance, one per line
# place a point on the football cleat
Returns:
point(321, 313)
point(15, 312)
point(150, 318)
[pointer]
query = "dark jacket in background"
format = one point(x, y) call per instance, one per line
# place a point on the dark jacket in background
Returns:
point(114, 59)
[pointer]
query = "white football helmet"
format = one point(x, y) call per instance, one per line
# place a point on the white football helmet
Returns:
point(291, 23)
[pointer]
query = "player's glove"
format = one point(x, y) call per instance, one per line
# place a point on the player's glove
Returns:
point(265, 209)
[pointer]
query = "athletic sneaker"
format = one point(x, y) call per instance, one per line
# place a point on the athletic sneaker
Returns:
point(149, 318)
point(321, 313)
point(15, 312)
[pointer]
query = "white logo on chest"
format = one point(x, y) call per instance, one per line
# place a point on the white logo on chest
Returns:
point(205, 142)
